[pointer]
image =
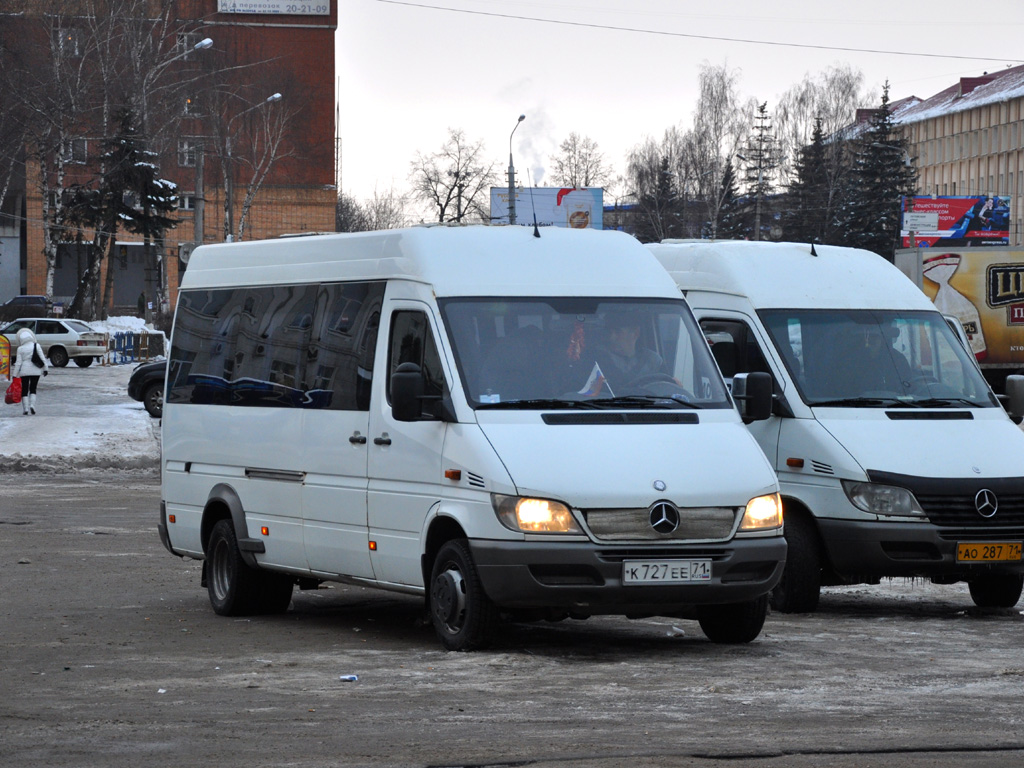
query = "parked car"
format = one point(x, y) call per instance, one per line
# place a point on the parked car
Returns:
point(147, 386)
point(61, 339)
point(24, 306)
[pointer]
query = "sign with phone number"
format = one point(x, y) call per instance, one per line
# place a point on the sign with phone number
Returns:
point(274, 7)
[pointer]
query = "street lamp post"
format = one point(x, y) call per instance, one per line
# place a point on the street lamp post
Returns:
point(512, 176)
point(229, 181)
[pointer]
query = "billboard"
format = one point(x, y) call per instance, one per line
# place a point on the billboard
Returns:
point(552, 206)
point(985, 290)
point(293, 7)
point(963, 222)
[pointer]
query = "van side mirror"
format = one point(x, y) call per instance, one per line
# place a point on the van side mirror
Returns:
point(753, 394)
point(1014, 401)
point(407, 388)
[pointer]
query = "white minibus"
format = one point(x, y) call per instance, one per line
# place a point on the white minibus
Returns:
point(894, 456)
point(511, 423)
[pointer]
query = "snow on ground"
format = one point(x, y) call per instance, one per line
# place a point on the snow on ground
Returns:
point(85, 420)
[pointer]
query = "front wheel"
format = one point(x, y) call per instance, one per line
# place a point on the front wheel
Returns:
point(735, 622)
point(996, 590)
point(463, 616)
point(799, 588)
point(58, 357)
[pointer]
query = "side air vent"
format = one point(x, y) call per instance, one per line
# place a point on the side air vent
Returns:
point(474, 480)
point(821, 468)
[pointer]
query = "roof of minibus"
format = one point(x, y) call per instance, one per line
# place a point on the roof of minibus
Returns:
point(454, 261)
point(789, 276)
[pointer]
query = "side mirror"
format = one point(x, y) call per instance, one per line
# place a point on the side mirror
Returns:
point(1014, 401)
point(753, 394)
point(407, 388)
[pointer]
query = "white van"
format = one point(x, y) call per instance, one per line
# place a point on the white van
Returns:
point(894, 456)
point(432, 411)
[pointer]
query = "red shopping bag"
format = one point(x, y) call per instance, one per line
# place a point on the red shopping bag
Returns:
point(13, 392)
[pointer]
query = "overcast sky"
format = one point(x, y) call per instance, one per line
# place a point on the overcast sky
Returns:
point(408, 70)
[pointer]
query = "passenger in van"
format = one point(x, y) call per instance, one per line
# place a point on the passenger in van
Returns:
point(623, 359)
point(882, 363)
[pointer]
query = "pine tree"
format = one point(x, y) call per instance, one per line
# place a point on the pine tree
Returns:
point(735, 221)
point(809, 211)
point(762, 158)
point(882, 174)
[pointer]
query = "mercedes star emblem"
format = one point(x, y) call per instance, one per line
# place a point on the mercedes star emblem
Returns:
point(664, 517)
point(986, 502)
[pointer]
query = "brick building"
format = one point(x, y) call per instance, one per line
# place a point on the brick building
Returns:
point(264, 90)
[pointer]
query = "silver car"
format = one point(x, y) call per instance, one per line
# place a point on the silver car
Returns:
point(61, 339)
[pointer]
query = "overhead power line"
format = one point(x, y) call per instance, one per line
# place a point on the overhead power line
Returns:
point(715, 38)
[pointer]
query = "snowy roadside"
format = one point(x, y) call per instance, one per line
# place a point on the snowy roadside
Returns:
point(84, 421)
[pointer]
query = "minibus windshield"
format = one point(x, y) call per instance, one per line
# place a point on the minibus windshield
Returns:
point(876, 359)
point(581, 353)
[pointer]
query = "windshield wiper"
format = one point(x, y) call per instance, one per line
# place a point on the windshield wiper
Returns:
point(532, 403)
point(644, 401)
point(865, 402)
point(939, 402)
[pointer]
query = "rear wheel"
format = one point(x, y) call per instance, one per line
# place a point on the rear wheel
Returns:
point(58, 356)
point(233, 586)
point(800, 587)
point(153, 399)
point(735, 622)
point(996, 590)
point(83, 362)
point(463, 616)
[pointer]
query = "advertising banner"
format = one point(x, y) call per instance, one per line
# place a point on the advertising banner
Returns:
point(963, 222)
point(293, 7)
point(553, 207)
point(984, 289)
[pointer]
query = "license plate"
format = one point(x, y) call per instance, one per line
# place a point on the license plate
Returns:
point(665, 571)
point(988, 552)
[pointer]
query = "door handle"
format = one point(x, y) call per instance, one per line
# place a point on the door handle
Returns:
point(357, 439)
point(382, 440)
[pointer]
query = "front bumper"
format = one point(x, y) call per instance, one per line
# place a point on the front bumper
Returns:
point(586, 578)
point(871, 549)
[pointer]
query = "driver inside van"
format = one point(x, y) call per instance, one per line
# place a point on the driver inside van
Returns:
point(623, 358)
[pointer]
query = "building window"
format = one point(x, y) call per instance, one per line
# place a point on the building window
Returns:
point(67, 43)
point(187, 152)
point(75, 151)
point(186, 201)
point(191, 105)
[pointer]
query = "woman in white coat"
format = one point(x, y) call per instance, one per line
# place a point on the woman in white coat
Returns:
point(29, 365)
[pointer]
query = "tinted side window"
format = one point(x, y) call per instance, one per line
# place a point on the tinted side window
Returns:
point(297, 346)
point(412, 341)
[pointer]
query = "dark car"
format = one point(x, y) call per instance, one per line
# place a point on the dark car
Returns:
point(147, 386)
point(24, 306)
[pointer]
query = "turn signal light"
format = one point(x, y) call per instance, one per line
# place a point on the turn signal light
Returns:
point(265, 530)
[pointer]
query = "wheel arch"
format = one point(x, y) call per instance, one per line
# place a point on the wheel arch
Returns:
point(795, 508)
point(224, 503)
point(442, 529)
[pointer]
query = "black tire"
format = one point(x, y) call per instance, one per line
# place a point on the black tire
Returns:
point(233, 586)
point(58, 357)
point(153, 399)
point(463, 616)
point(83, 362)
point(996, 590)
point(735, 622)
point(800, 587)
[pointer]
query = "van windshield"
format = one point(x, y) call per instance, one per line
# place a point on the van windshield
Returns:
point(581, 353)
point(876, 358)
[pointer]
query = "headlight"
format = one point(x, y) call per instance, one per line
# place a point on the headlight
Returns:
point(882, 499)
point(762, 512)
point(521, 513)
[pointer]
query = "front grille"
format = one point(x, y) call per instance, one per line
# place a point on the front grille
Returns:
point(620, 555)
point(959, 510)
point(695, 524)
